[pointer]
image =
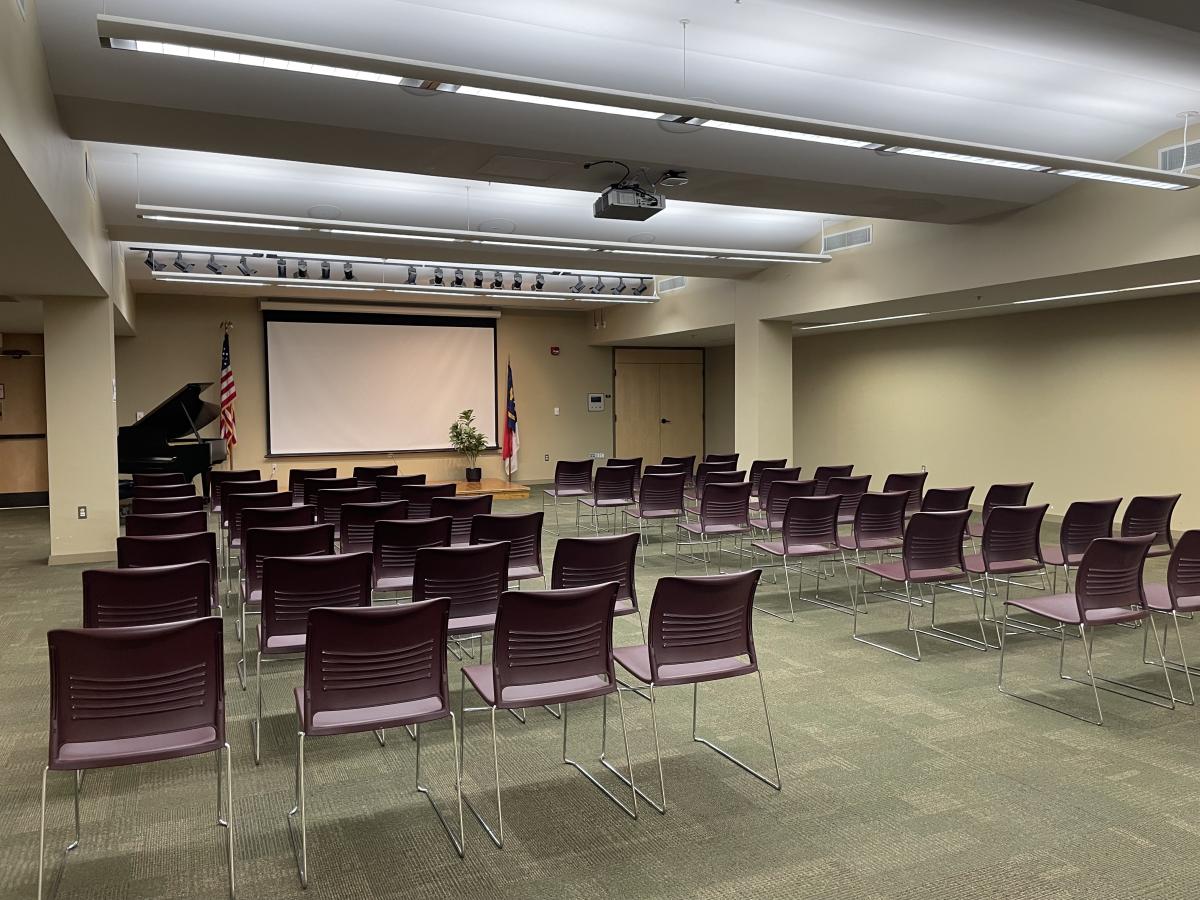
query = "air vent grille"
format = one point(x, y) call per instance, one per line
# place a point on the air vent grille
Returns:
point(1171, 159)
point(844, 240)
point(674, 283)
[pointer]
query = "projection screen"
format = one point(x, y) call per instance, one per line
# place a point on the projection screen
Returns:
point(368, 383)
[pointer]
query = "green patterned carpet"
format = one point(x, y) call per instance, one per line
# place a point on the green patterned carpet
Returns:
point(900, 780)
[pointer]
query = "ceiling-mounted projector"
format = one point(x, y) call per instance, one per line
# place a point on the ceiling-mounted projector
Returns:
point(626, 199)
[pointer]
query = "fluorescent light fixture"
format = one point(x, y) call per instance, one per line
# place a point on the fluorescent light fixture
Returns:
point(863, 321)
point(1110, 291)
point(672, 255)
point(488, 243)
point(243, 282)
point(388, 234)
point(421, 76)
point(198, 221)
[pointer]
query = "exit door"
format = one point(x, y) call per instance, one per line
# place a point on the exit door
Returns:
point(659, 403)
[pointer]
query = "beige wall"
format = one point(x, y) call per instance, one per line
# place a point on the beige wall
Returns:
point(1091, 402)
point(178, 341)
point(718, 399)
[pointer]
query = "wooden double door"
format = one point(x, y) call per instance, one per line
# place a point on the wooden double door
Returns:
point(659, 403)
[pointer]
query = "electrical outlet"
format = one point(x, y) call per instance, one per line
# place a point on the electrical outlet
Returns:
point(83, 512)
point(923, 469)
point(547, 457)
point(274, 469)
point(556, 410)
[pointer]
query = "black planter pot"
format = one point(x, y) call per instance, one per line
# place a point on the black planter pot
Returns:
point(475, 474)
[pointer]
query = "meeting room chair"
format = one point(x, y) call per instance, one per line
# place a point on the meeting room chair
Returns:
point(461, 510)
point(612, 492)
point(1151, 515)
point(297, 477)
point(761, 490)
point(822, 474)
point(687, 463)
point(878, 524)
point(164, 490)
point(1010, 548)
point(1085, 520)
point(707, 467)
point(551, 648)
point(701, 630)
point(276, 517)
point(238, 486)
point(146, 506)
point(635, 461)
point(391, 486)
point(913, 482)
point(1015, 494)
point(217, 477)
point(947, 499)
point(167, 550)
point(1108, 591)
point(756, 470)
point(669, 469)
point(293, 586)
point(366, 475)
point(523, 532)
point(96, 722)
point(1178, 597)
point(774, 502)
point(582, 561)
point(330, 500)
point(572, 480)
point(234, 508)
point(724, 513)
point(704, 479)
point(850, 488)
point(395, 546)
point(931, 556)
point(371, 670)
point(144, 478)
point(473, 577)
point(149, 595)
point(420, 497)
point(166, 523)
point(729, 459)
point(660, 499)
point(314, 485)
point(356, 524)
point(809, 531)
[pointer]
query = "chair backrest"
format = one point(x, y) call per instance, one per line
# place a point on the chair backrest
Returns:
point(575, 475)
point(164, 490)
point(218, 477)
point(614, 484)
point(850, 487)
point(760, 465)
point(662, 493)
point(166, 523)
point(297, 477)
point(391, 486)
point(366, 475)
point(396, 542)
point(718, 476)
point(730, 458)
point(242, 486)
point(635, 461)
point(1150, 515)
point(913, 482)
point(134, 552)
point(780, 493)
point(946, 499)
point(687, 463)
point(582, 561)
point(1015, 494)
point(718, 465)
point(823, 473)
point(461, 511)
point(1110, 575)
point(142, 478)
point(1013, 533)
point(1086, 520)
point(148, 506)
point(148, 595)
point(313, 486)
point(725, 505)
point(285, 540)
point(522, 531)
point(420, 497)
point(330, 500)
point(294, 585)
point(703, 618)
point(810, 519)
point(356, 527)
point(933, 540)
point(237, 504)
point(666, 469)
point(473, 577)
point(880, 516)
point(180, 672)
point(1183, 569)
point(376, 657)
point(276, 517)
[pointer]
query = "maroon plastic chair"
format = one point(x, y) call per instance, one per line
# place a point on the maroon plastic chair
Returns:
point(233, 512)
point(371, 670)
point(391, 486)
point(144, 478)
point(756, 470)
point(1179, 596)
point(761, 489)
point(166, 523)
point(947, 499)
point(612, 492)
point(581, 561)
point(1084, 521)
point(461, 511)
point(149, 506)
point(1015, 494)
point(666, 469)
point(366, 475)
point(551, 647)
point(932, 555)
point(330, 500)
point(809, 530)
point(134, 552)
point(775, 503)
point(878, 524)
point(686, 463)
point(1108, 591)
point(729, 459)
point(420, 497)
point(356, 527)
point(850, 488)
point(823, 473)
point(660, 498)
point(314, 485)
point(717, 476)
point(635, 461)
point(473, 577)
point(147, 491)
point(572, 479)
point(913, 482)
point(395, 546)
point(217, 477)
point(177, 709)
point(524, 535)
point(724, 513)
point(297, 477)
point(239, 486)
point(276, 517)
point(1010, 547)
point(1151, 515)
point(148, 595)
point(706, 468)
point(293, 586)
point(701, 629)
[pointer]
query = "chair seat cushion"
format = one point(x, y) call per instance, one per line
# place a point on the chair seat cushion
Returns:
point(394, 583)
point(146, 748)
point(775, 548)
point(624, 607)
point(472, 624)
point(281, 643)
point(976, 566)
point(567, 492)
point(254, 598)
point(894, 571)
point(637, 512)
point(605, 504)
point(548, 692)
point(766, 524)
point(1054, 557)
point(636, 660)
point(697, 528)
point(1159, 598)
point(975, 529)
point(516, 573)
point(371, 718)
point(850, 542)
point(1064, 608)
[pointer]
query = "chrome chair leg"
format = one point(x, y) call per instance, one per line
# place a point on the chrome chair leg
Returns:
point(300, 845)
point(777, 784)
point(916, 633)
point(459, 843)
point(1004, 636)
point(629, 811)
point(74, 845)
point(662, 784)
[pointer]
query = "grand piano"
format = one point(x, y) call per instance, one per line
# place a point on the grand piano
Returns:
point(167, 439)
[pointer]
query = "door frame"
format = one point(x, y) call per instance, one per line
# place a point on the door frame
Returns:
point(703, 393)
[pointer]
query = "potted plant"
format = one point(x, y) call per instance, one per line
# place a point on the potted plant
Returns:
point(469, 441)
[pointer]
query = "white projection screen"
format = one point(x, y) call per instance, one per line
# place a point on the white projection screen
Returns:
point(368, 383)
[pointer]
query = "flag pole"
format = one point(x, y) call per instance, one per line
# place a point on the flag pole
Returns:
point(225, 328)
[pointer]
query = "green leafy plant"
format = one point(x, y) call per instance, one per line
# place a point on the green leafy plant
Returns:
point(466, 438)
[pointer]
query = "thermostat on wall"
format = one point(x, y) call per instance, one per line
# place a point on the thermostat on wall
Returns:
point(595, 403)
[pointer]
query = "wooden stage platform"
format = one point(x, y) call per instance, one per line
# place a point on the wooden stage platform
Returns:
point(501, 490)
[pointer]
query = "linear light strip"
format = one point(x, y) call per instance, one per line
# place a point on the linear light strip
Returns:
point(863, 321)
point(228, 47)
point(1105, 293)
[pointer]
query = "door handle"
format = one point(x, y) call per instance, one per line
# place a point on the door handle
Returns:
point(665, 421)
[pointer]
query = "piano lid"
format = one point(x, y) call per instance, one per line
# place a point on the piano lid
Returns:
point(175, 416)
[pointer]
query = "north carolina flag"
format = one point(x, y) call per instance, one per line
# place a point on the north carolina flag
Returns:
point(512, 439)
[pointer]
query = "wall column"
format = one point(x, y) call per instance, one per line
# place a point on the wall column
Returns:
point(762, 387)
point(81, 429)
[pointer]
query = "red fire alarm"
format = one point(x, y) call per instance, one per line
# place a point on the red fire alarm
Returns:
point(554, 351)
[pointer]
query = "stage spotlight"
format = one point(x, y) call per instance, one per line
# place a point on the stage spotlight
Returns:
point(539, 282)
point(181, 265)
point(577, 286)
point(347, 271)
point(497, 280)
point(244, 267)
point(281, 267)
point(438, 280)
point(478, 279)
point(153, 264)
point(458, 278)
point(213, 266)
point(641, 288)
point(324, 269)
point(302, 269)
point(412, 275)
point(598, 287)
point(620, 288)
point(516, 282)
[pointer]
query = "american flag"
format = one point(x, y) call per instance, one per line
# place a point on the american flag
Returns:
point(228, 395)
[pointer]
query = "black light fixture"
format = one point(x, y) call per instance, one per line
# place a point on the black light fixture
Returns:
point(181, 265)
point(516, 282)
point(324, 269)
point(302, 269)
point(458, 278)
point(438, 280)
point(153, 264)
point(539, 282)
point(412, 275)
point(281, 267)
point(497, 280)
point(478, 279)
point(598, 287)
point(244, 267)
point(641, 288)
point(213, 266)
point(620, 288)
point(347, 271)
point(577, 286)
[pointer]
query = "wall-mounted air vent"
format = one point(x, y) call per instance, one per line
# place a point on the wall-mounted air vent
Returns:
point(674, 283)
point(1171, 159)
point(844, 240)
